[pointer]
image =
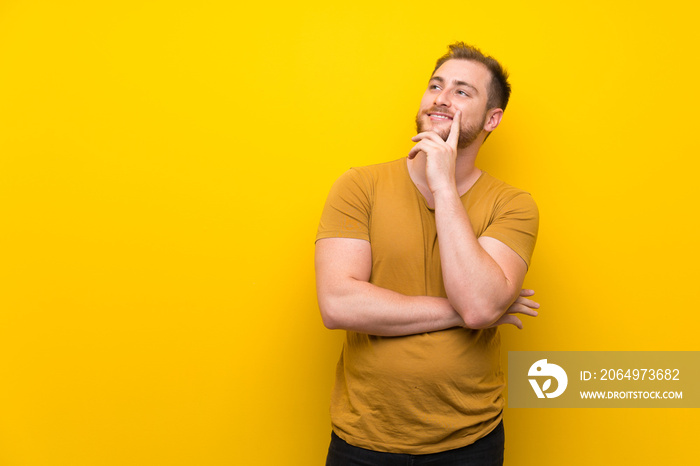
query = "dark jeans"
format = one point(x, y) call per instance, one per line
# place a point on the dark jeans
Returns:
point(487, 451)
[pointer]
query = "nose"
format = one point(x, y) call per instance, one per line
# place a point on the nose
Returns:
point(442, 99)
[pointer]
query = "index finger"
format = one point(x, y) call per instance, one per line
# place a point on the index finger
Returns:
point(454, 130)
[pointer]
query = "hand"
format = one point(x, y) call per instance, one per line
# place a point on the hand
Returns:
point(441, 156)
point(522, 305)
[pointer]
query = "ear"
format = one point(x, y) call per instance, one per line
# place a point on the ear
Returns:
point(493, 119)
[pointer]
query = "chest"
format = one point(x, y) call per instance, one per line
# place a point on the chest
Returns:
point(405, 241)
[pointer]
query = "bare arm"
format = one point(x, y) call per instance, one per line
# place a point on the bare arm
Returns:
point(482, 276)
point(348, 301)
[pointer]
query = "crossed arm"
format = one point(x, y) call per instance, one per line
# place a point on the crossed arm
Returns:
point(348, 301)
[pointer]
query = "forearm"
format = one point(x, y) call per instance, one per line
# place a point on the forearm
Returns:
point(363, 307)
point(475, 284)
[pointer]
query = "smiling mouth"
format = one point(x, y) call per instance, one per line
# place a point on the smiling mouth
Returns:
point(439, 116)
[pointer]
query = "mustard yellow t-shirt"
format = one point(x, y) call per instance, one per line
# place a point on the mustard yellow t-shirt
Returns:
point(434, 391)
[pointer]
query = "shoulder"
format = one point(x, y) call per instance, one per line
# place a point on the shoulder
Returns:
point(366, 177)
point(489, 183)
point(501, 193)
point(349, 205)
point(513, 218)
point(379, 170)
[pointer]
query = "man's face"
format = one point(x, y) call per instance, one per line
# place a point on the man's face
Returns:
point(456, 85)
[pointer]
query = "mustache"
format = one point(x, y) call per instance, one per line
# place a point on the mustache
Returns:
point(438, 110)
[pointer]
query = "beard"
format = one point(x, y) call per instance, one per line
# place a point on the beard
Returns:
point(467, 132)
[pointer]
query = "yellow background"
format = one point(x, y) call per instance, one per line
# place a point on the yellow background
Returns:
point(162, 170)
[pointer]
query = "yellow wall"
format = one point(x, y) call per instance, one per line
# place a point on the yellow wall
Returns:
point(162, 169)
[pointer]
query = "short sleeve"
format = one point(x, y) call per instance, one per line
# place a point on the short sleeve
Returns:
point(515, 224)
point(346, 213)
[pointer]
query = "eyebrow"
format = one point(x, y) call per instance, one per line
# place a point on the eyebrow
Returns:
point(459, 83)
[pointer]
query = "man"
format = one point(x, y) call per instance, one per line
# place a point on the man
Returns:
point(420, 260)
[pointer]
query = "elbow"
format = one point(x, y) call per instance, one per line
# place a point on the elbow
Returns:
point(337, 307)
point(481, 315)
point(482, 310)
point(329, 322)
point(477, 321)
point(329, 315)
